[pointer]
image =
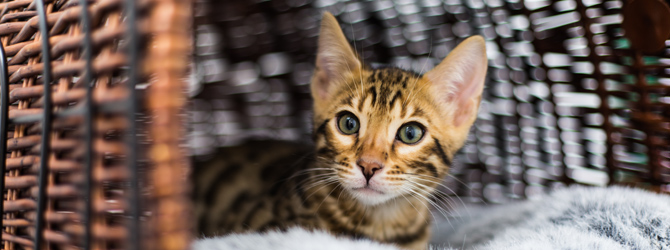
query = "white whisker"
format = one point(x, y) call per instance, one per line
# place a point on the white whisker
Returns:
point(360, 65)
point(437, 207)
point(440, 196)
point(323, 185)
point(326, 197)
point(420, 73)
point(412, 193)
point(439, 183)
point(417, 210)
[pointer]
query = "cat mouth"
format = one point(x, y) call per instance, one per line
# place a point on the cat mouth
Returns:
point(368, 190)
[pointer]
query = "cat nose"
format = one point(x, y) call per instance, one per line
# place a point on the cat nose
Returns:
point(368, 168)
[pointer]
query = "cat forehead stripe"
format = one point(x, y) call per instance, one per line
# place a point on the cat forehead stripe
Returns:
point(385, 86)
point(393, 77)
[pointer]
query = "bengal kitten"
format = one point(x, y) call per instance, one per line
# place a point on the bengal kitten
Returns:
point(384, 139)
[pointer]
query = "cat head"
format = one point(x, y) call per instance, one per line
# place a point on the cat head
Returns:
point(386, 133)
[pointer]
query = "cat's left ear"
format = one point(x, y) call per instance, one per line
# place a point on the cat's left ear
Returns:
point(334, 58)
point(458, 81)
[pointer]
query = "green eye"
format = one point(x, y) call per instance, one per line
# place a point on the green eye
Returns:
point(348, 123)
point(410, 133)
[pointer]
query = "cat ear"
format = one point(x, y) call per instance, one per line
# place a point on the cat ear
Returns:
point(334, 58)
point(458, 81)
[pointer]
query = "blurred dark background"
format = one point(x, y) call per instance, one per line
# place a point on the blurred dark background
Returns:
point(567, 99)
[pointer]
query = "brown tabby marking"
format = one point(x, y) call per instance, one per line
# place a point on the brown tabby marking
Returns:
point(365, 182)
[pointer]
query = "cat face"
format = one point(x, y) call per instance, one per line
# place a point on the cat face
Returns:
point(387, 133)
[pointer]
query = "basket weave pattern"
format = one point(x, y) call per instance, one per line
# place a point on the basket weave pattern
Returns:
point(163, 27)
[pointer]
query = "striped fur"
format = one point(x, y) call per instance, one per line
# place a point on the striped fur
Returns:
point(268, 184)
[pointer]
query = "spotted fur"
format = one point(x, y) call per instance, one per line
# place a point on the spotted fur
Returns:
point(366, 184)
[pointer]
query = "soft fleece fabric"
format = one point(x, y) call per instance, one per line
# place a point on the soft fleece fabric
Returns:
point(588, 218)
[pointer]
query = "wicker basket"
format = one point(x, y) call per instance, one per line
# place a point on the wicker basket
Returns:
point(110, 172)
point(571, 96)
point(570, 99)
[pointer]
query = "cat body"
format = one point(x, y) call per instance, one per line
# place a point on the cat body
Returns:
point(244, 190)
point(383, 140)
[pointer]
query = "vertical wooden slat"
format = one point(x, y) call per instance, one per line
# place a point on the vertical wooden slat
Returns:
point(170, 22)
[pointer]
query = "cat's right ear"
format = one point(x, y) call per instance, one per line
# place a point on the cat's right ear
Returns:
point(334, 58)
point(458, 81)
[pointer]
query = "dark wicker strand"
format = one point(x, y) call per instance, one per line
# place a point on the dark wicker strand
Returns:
point(89, 113)
point(45, 150)
point(4, 113)
point(131, 137)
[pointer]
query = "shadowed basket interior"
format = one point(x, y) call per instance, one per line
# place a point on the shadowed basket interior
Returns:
point(571, 97)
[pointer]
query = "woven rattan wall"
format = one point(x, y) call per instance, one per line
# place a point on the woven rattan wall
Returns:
point(568, 98)
point(89, 163)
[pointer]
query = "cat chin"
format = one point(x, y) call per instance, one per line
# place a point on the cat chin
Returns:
point(370, 197)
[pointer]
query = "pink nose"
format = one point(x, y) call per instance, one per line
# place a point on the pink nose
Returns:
point(368, 168)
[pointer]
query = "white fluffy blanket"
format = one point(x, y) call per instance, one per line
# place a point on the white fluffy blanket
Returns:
point(573, 218)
